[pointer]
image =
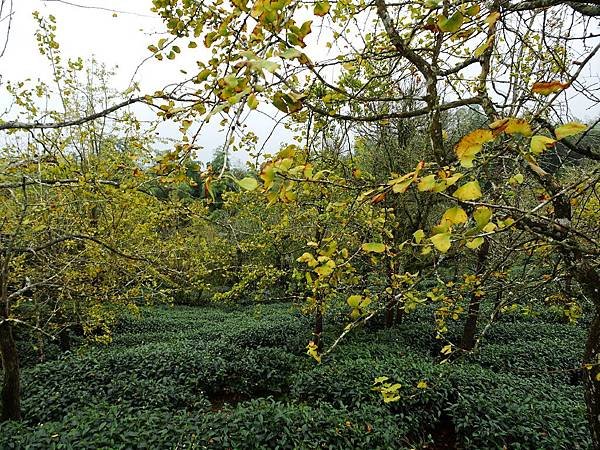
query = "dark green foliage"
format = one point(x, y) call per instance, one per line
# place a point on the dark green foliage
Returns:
point(238, 378)
point(491, 410)
point(255, 424)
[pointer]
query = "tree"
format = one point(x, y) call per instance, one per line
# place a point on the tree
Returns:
point(79, 227)
point(514, 63)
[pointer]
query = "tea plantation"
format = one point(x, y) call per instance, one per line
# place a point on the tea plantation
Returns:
point(218, 377)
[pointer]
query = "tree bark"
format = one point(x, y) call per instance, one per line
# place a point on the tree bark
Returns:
point(589, 280)
point(11, 388)
point(318, 331)
point(470, 330)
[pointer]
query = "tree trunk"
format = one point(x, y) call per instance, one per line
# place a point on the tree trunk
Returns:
point(389, 313)
point(318, 331)
point(470, 330)
point(592, 385)
point(589, 280)
point(11, 389)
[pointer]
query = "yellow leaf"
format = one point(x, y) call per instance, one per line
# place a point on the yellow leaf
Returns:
point(321, 8)
point(473, 244)
point(419, 235)
point(447, 349)
point(516, 179)
point(401, 187)
point(252, 101)
point(313, 351)
point(483, 47)
point(471, 144)
point(427, 183)
point(569, 129)
point(441, 242)
point(354, 301)
point(540, 143)
point(490, 227)
point(473, 10)
point(492, 18)
point(455, 215)
point(548, 87)
point(468, 191)
point(373, 247)
point(518, 126)
point(422, 385)
point(482, 216)
point(379, 380)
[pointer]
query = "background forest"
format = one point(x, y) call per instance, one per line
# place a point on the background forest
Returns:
point(417, 266)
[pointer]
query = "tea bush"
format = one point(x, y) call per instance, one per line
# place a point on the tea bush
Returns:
point(238, 377)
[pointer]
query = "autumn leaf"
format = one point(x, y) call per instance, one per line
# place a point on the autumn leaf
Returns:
point(482, 216)
point(492, 18)
point(419, 235)
point(375, 247)
point(455, 215)
point(569, 129)
point(441, 241)
point(321, 8)
point(518, 126)
point(471, 144)
point(378, 198)
point(426, 183)
point(468, 191)
point(475, 243)
point(248, 183)
point(540, 143)
point(548, 87)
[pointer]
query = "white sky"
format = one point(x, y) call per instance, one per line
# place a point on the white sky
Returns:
point(122, 41)
point(119, 41)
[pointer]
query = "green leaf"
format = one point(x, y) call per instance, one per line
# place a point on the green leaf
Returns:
point(441, 242)
point(248, 183)
point(354, 301)
point(452, 24)
point(569, 129)
point(321, 8)
point(291, 53)
point(373, 247)
point(252, 101)
point(468, 191)
point(419, 235)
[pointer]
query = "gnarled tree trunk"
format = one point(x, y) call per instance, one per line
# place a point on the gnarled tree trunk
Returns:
point(11, 388)
point(589, 280)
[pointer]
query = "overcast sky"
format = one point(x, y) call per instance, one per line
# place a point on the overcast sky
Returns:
point(119, 41)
